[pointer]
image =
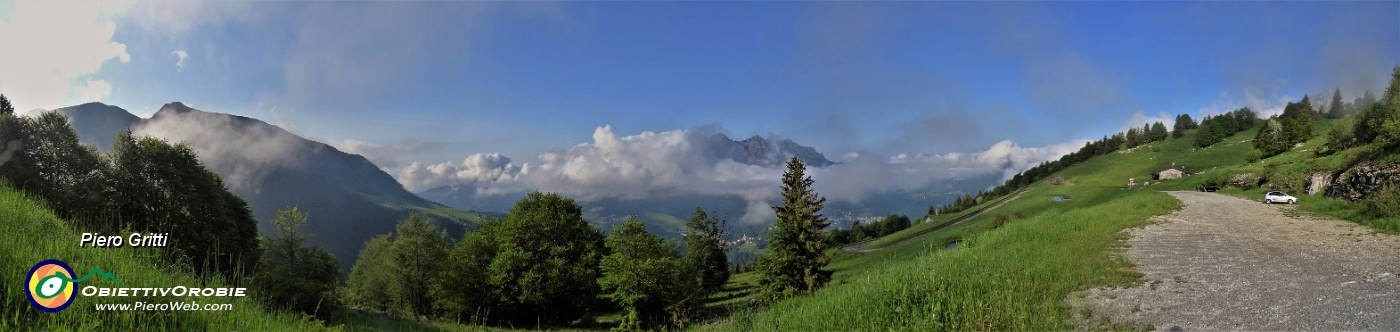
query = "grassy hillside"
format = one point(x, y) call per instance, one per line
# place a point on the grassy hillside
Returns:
point(1015, 267)
point(30, 233)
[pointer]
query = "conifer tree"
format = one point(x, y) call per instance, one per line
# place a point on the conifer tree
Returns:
point(796, 246)
point(1335, 110)
point(6, 108)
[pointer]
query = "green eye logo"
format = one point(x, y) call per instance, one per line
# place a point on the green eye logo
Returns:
point(50, 284)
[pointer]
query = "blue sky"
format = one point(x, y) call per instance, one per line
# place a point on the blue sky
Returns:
point(438, 81)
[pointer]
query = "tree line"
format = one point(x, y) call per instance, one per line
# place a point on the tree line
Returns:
point(144, 184)
point(1368, 120)
point(1209, 131)
point(541, 265)
point(858, 232)
point(1214, 129)
point(1280, 133)
point(147, 184)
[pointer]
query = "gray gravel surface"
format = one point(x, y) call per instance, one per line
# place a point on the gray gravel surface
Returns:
point(1226, 263)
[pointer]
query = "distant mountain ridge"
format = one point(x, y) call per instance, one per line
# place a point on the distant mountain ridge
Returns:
point(759, 151)
point(666, 214)
point(347, 198)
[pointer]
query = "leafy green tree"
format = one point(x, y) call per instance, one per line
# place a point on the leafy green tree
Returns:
point(1270, 140)
point(415, 258)
point(396, 274)
point(292, 275)
point(1183, 123)
point(1210, 132)
point(646, 277)
point(46, 160)
point(796, 251)
point(462, 291)
point(1343, 135)
point(1380, 122)
point(1159, 131)
point(546, 264)
point(164, 188)
point(705, 248)
point(1134, 138)
point(1297, 122)
point(367, 287)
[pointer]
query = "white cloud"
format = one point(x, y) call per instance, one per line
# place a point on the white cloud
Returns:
point(386, 156)
point(93, 90)
point(242, 154)
point(1139, 118)
point(1005, 157)
point(180, 58)
point(174, 20)
point(53, 49)
point(1265, 102)
point(480, 168)
point(675, 164)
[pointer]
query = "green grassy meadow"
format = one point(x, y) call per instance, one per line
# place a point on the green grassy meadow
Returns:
point(1015, 266)
point(30, 233)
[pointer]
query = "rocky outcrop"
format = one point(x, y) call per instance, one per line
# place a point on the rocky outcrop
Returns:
point(1361, 181)
point(1317, 182)
point(1246, 180)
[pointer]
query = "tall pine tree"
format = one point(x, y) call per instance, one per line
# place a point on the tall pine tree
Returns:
point(796, 247)
point(1336, 110)
point(5, 107)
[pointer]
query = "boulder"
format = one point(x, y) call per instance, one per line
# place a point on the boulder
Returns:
point(1317, 182)
point(1361, 181)
point(1245, 180)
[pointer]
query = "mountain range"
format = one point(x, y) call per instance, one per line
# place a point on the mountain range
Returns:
point(347, 199)
point(665, 214)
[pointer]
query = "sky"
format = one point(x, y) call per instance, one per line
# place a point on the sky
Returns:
point(446, 91)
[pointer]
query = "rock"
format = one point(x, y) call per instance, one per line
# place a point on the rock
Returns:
point(1361, 181)
point(1318, 182)
point(1057, 181)
point(1245, 180)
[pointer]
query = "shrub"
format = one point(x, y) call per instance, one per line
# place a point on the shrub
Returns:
point(1253, 156)
point(1287, 182)
point(1385, 202)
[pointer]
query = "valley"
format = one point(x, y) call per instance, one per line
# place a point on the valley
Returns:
point(699, 166)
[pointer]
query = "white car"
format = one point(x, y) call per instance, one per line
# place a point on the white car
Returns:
point(1279, 197)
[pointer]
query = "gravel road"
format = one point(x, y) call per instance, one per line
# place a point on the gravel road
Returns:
point(1226, 263)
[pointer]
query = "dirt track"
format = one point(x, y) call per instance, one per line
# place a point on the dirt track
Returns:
point(1225, 263)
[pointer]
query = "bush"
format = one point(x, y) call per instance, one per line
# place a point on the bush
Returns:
point(1287, 182)
point(1386, 202)
point(1253, 156)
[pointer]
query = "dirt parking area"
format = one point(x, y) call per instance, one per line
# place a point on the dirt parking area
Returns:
point(1226, 263)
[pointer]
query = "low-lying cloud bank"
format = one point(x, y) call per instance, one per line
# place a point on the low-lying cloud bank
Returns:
point(680, 163)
